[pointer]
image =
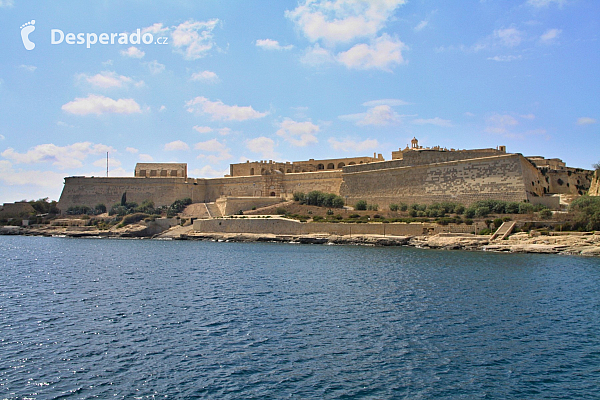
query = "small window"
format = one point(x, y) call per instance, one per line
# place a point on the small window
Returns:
point(142, 172)
point(173, 172)
point(330, 166)
point(163, 172)
point(153, 172)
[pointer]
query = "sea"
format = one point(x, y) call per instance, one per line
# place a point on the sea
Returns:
point(145, 319)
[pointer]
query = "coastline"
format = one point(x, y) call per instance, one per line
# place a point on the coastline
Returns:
point(572, 243)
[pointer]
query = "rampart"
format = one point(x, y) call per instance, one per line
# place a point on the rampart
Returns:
point(92, 191)
point(508, 177)
point(279, 226)
point(416, 175)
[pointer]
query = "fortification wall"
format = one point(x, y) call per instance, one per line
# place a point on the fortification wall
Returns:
point(91, 191)
point(327, 181)
point(424, 157)
point(499, 177)
point(278, 226)
point(568, 180)
point(231, 205)
point(8, 210)
point(595, 185)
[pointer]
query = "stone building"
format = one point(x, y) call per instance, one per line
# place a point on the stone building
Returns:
point(161, 170)
point(413, 175)
point(263, 167)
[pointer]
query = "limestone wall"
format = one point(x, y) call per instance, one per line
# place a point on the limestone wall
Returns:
point(91, 191)
point(231, 205)
point(568, 180)
point(278, 226)
point(499, 177)
point(161, 170)
point(595, 186)
point(8, 210)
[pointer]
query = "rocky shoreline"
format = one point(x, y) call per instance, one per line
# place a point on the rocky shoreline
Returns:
point(572, 243)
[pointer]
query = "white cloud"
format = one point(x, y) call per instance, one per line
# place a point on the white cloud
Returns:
point(224, 131)
point(504, 58)
point(208, 171)
point(349, 145)
point(146, 158)
point(203, 129)
point(420, 26)
point(64, 157)
point(545, 3)
point(132, 150)
point(383, 53)
point(133, 52)
point(341, 21)
point(194, 39)
point(316, 55)
point(528, 116)
point(298, 133)
point(220, 111)
point(213, 146)
point(262, 145)
point(550, 36)
point(509, 37)
point(108, 79)
point(388, 102)
point(270, 44)
point(586, 121)
point(162, 108)
point(500, 124)
point(176, 145)
point(2, 137)
point(377, 115)
point(433, 121)
point(156, 29)
point(94, 104)
point(7, 3)
point(155, 67)
point(205, 76)
point(30, 68)
point(10, 176)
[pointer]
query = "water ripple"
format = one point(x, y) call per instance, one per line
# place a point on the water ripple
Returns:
point(146, 319)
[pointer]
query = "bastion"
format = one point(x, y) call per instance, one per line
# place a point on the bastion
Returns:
point(413, 175)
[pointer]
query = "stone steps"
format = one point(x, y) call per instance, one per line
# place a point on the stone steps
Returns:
point(505, 229)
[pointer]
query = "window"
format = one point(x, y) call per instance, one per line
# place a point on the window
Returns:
point(142, 172)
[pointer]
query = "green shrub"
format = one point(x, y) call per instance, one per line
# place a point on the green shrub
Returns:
point(354, 216)
point(403, 206)
point(587, 213)
point(133, 218)
point(468, 221)
point(360, 205)
point(280, 210)
point(545, 214)
point(100, 208)
point(317, 218)
point(485, 231)
point(498, 222)
point(459, 209)
point(470, 212)
point(482, 212)
point(394, 207)
point(372, 207)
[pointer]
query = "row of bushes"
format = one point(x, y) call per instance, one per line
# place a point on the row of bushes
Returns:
point(587, 213)
point(320, 199)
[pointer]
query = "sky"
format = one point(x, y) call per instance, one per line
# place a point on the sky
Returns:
point(210, 83)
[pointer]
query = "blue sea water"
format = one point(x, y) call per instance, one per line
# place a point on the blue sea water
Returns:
point(107, 318)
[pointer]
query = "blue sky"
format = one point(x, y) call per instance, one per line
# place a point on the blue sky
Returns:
point(289, 80)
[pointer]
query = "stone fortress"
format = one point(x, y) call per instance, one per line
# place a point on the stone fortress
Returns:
point(413, 175)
